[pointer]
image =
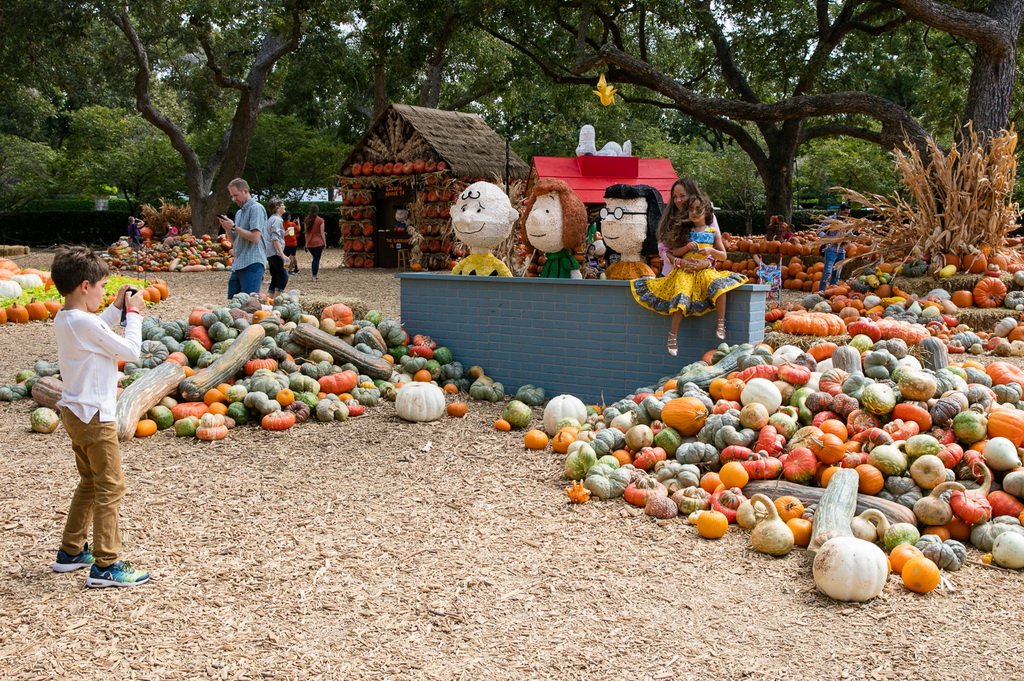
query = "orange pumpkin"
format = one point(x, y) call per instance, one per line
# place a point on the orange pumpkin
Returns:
point(801, 529)
point(1008, 423)
point(37, 311)
point(871, 480)
point(920, 575)
point(685, 414)
point(458, 410)
point(341, 314)
point(535, 439)
point(975, 264)
point(17, 314)
point(145, 428)
point(989, 292)
point(963, 298)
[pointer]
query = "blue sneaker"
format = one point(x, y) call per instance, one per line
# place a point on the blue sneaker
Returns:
point(69, 563)
point(120, 573)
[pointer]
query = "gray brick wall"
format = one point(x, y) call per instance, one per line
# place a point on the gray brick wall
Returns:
point(588, 338)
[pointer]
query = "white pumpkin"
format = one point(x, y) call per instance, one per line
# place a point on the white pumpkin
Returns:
point(850, 569)
point(28, 280)
point(785, 354)
point(1008, 550)
point(910, 362)
point(812, 382)
point(824, 365)
point(1004, 326)
point(419, 402)
point(762, 391)
point(560, 407)
point(1001, 454)
point(10, 289)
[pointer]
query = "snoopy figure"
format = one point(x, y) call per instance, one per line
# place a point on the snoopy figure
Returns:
point(588, 145)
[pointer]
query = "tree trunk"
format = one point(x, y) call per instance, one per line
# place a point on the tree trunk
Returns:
point(380, 90)
point(994, 70)
point(778, 187)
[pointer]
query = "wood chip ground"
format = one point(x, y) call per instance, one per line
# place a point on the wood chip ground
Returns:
point(378, 549)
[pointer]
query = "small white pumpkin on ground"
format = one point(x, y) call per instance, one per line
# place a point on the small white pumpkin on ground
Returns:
point(850, 569)
point(561, 407)
point(419, 402)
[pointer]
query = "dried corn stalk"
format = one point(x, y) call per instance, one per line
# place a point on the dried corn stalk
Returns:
point(397, 141)
point(956, 202)
point(169, 215)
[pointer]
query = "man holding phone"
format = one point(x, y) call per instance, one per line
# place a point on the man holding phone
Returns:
point(250, 251)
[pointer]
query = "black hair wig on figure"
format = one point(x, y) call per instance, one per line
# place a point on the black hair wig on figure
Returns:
point(655, 206)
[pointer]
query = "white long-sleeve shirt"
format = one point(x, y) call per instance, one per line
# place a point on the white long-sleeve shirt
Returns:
point(88, 351)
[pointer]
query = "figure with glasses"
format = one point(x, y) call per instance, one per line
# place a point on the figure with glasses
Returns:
point(629, 224)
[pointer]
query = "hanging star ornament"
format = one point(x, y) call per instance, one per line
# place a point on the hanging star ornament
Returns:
point(605, 92)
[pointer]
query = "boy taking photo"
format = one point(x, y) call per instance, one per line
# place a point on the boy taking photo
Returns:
point(88, 351)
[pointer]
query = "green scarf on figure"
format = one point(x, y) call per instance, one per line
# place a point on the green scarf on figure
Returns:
point(559, 265)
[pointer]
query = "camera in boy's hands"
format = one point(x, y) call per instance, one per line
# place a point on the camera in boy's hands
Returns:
point(124, 305)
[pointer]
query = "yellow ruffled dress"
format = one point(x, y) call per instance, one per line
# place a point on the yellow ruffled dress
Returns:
point(692, 293)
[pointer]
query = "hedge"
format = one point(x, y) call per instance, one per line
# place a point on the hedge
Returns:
point(733, 221)
point(96, 228)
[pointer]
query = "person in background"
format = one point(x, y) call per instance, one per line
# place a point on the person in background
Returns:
point(135, 232)
point(835, 251)
point(275, 249)
point(88, 351)
point(682, 191)
point(247, 234)
point(291, 242)
point(313, 227)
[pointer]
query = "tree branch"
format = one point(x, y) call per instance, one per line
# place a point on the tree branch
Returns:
point(979, 28)
point(211, 62)
point(469, 97)
point(733, 77)
point(145, 105)
point(896, 121)
point(840, 130)
point(553, 75)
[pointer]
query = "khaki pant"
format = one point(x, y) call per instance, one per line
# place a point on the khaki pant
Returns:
point(100, 489)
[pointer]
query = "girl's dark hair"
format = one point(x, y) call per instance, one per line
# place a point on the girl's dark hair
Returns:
point(675, 233)
point(672, 214)
point(286, 216)
point(311, 216)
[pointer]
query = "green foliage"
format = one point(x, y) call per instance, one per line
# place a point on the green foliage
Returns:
point(287, 158)
point(26, 171)
point(844, 162)
point(118, 147)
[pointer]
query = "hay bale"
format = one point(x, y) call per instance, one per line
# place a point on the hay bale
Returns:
point(315, 306)
point(961, 281)
point(777, 339)
point(984, 318)
point(13, 251)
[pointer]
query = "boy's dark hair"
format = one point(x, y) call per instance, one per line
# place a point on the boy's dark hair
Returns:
point(286, 216)
point(844, 206)
point(74, 264)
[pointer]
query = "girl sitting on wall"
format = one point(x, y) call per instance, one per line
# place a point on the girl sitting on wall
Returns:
point(693, 287)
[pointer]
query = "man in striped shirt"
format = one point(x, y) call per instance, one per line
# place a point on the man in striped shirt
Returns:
point(250, 251)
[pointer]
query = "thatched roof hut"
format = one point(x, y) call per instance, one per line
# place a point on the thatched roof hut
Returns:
point(463, 141)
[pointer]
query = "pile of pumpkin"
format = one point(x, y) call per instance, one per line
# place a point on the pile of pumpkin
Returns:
point(30, 295)
point(188, 253)
point(270, 364)
point(928, 454)
point(911, 317)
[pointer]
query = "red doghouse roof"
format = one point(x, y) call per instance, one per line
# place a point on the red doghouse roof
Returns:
point(589, 176)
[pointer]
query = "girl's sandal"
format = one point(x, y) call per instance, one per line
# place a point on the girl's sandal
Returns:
point(720, 330)
point(673, 347)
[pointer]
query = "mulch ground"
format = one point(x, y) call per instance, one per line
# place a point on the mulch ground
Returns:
point(379, 549)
